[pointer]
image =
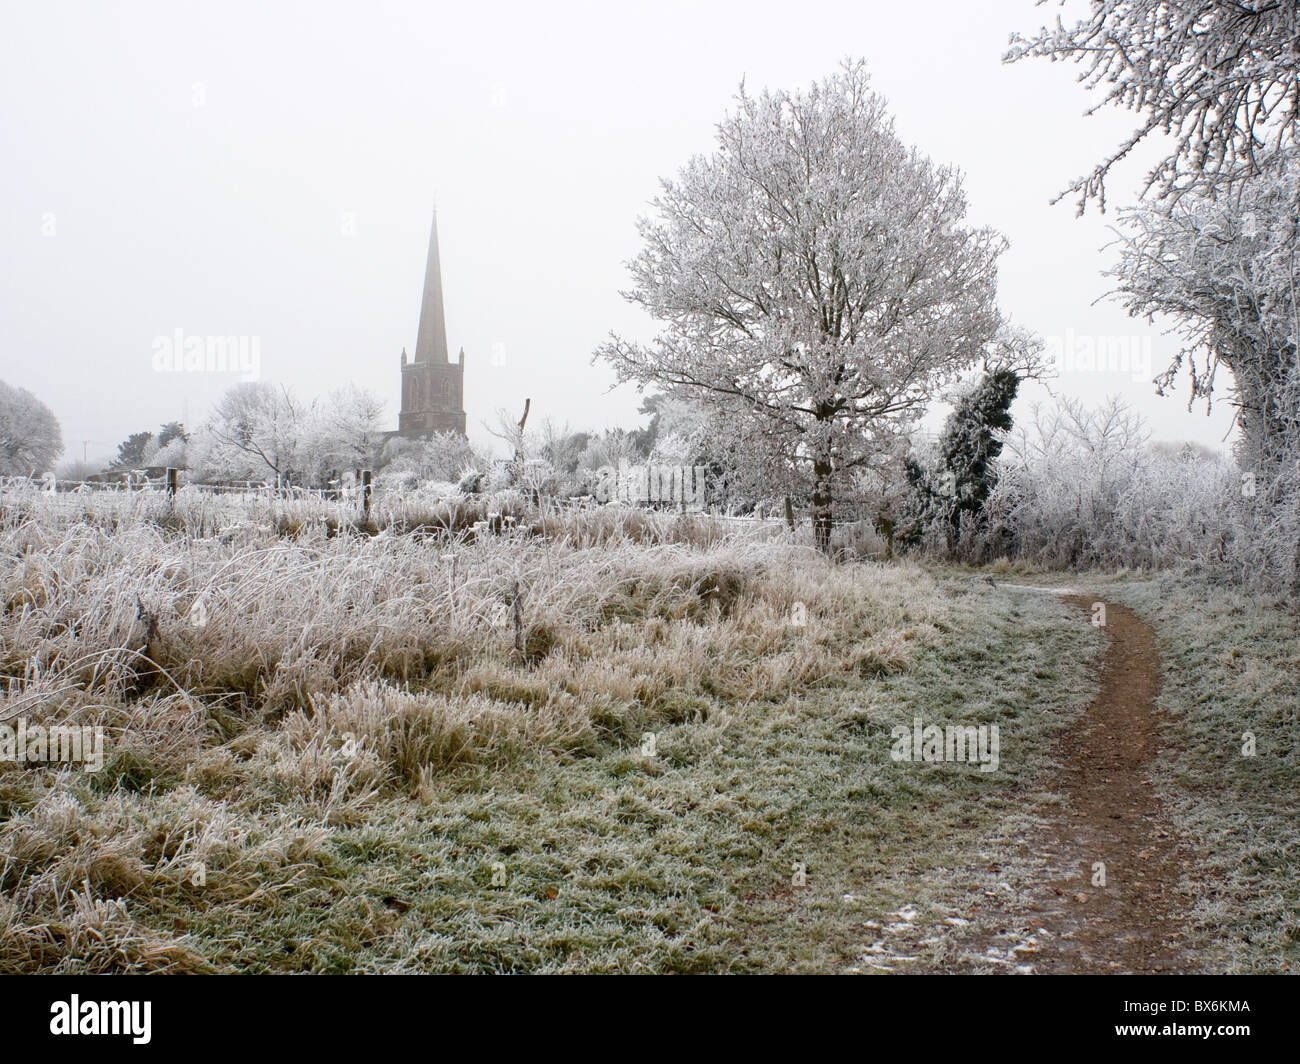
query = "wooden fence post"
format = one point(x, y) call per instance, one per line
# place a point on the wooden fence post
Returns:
point(366, 477)
point(517, 603)
point(171, 483)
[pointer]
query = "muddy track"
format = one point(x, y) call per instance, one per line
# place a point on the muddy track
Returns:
point(1072, 921)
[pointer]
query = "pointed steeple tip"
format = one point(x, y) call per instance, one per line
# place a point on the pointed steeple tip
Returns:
point(431, 341)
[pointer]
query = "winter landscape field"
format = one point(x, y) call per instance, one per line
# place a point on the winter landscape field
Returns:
point(344, 751)
point(917, 593)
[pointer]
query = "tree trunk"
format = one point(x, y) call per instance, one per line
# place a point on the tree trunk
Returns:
point(789, 513)
point(821, 504)
point(885, 526)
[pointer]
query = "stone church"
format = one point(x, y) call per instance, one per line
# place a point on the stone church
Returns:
point(433, 387)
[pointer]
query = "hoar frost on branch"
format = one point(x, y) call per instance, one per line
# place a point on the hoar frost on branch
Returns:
point(815, 282)
point(1225, 271)
point(1212, 247)
point(1221, 77)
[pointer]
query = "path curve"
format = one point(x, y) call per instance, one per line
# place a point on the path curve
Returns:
point(1110, 817)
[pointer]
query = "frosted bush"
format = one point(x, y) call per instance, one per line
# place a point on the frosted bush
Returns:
point(1079, 487)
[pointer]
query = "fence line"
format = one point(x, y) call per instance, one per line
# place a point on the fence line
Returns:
point(160, 484)
point(346, 501)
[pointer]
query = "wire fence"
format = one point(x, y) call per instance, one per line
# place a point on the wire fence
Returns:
point(204, 503)
point(140, 494)
point(130, 485)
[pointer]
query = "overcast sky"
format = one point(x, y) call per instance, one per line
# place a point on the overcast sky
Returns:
point(269, 170)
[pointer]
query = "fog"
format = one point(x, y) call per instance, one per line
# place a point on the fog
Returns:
point(269, 171)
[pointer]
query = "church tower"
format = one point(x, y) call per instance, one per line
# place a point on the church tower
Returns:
point(433, 387)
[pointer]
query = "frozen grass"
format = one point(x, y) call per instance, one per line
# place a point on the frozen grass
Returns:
point(352, 758)
point(283, 711)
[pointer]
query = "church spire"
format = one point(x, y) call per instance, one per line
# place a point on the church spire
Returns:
point(431, 342)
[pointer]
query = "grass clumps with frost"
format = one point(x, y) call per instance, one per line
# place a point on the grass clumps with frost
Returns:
point(389, 752)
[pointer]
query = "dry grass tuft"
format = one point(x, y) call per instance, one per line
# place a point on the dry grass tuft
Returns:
point(272, 688)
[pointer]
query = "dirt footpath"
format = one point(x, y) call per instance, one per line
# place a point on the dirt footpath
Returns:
point(1074, 921)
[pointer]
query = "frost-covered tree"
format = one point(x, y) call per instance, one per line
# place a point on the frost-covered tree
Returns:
point(605, 449)
point(1080, 486)
point(443, 457)
point(171, 453)
point(30, 439)
point(1220, 78)
point(738, 474)
point(815, 282)
point(1224, 270)
point(170, 447)
point(561, 447)
point(140, 449)
point(1062, 475)
point(254, 432)
point(345, 431)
